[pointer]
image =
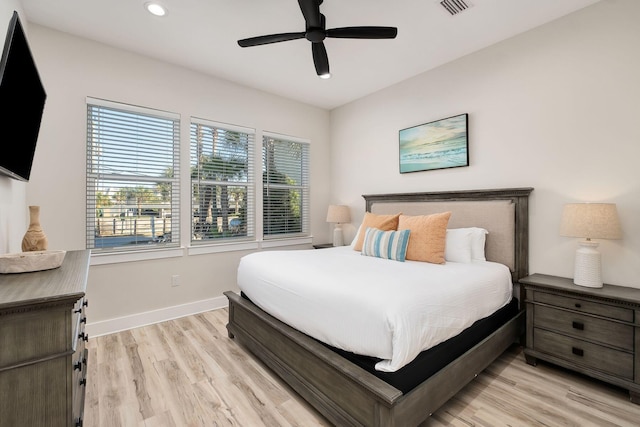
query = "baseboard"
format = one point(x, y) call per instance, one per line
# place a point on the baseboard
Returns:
point(124, 323)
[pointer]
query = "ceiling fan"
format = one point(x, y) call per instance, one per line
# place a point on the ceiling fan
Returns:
point(316, 32)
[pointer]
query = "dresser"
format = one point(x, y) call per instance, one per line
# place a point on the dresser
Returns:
point(43, 360)
point(594, 331)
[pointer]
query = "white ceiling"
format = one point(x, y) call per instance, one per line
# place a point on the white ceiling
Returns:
point(202, 35)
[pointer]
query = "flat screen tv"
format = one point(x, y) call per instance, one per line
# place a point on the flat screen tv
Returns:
point(22, 98)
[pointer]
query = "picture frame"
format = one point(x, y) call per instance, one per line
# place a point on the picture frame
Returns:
point(440, 144)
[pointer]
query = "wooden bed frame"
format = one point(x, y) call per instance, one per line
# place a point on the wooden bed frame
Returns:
point(348, 395)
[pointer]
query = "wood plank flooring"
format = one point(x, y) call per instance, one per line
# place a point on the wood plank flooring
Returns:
point(187, 372)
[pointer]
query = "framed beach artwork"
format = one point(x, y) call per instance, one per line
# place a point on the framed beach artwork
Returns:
point(441, 144)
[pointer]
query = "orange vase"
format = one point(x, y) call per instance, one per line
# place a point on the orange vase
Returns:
point(34, 239)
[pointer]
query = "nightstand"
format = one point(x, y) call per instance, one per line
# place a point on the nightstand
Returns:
point(323, 246)
point(594, 331)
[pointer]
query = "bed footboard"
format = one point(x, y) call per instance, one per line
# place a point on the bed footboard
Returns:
point(344, 393)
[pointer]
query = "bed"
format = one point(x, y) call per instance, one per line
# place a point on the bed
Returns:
point(347, 388)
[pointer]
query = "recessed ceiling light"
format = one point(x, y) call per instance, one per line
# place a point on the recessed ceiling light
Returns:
point(155, 8)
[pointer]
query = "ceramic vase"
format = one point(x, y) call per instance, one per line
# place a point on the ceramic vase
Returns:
point(34, 239)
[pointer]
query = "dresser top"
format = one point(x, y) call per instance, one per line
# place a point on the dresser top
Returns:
point(621, 293)
point(66, 283)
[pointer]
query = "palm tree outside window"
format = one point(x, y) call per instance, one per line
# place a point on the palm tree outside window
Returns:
point(221, 182)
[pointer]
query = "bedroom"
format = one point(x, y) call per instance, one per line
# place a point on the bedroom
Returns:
point(552, 108)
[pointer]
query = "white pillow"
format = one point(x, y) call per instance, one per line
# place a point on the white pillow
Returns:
point(355, 238)
point(478, 238)
point(458, 245)
point(465, 244)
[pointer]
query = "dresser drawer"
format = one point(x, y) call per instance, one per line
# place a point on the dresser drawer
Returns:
point(584, 306)
point(79, 321)
point(79, 387)
point(79, 369)
point(584, 327)
point(593, 356)
point(19, 328)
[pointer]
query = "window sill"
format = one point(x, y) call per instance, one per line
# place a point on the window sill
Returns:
point(115, 258)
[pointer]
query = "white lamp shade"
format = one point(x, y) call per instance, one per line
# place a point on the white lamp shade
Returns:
point(338, 214)
point(591, 221)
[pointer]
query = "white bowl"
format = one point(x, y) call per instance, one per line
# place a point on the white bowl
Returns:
point(24, 262)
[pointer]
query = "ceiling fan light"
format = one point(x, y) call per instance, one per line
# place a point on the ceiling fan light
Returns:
point(155, 8)
point(325, 76)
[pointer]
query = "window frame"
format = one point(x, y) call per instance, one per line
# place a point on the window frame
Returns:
point(181, 243)
point(249, 185)
point(96, 177)
point(304, 235)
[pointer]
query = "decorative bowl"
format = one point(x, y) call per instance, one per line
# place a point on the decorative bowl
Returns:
point(23, 262)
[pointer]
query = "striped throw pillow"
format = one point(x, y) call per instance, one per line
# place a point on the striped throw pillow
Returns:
point(386, 244)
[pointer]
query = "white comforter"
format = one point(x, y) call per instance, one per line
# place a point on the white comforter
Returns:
point(371, 306)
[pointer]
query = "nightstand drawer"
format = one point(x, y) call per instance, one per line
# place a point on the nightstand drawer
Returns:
point(604, 359)
point(584, 327)
point(591, 307)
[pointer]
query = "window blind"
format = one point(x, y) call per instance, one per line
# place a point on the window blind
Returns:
point(222, 182)
point(132, 177)
point(285, 194)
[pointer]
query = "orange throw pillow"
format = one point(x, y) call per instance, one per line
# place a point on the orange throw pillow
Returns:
point(381, 222)
point(428, 236)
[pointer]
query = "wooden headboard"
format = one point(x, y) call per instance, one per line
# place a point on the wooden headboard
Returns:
point(502, 212)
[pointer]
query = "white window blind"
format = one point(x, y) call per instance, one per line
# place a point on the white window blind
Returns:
point(132, 177)
point(285, 169)
point(222, 182)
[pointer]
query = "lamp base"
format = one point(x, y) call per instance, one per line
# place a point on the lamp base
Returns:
point(338, 239)
point(588, 270)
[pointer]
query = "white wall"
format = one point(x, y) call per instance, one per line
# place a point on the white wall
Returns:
point(73, 68)
point(13, 209)
point(556, 108)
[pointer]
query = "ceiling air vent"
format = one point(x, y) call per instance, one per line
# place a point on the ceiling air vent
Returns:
point(455, 6)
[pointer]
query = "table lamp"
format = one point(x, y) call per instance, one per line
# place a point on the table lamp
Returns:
point(590, 221)
point(338, 214)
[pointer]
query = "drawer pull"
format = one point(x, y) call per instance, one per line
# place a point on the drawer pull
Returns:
point(578, 305)
point(78, 366)
point(83, 381)
point(85, 303)
point(83, 336)
point(578, 325)
point(83, 320)
point(577, 351)
point(79, 422)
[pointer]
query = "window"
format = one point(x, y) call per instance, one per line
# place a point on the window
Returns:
point(221, 182)
point(285, 171)
point(132, 177)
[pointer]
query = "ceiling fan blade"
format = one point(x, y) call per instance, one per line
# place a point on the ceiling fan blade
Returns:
point(271, 38)
point(363, 32)
point(311, 12)
point(320, 58)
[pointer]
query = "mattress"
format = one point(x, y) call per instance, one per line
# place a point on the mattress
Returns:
point(374, 307)
point(430, 361)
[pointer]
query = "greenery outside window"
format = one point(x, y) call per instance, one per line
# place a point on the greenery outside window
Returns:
point(132, 177)
point(285, 194)
point(222, 199)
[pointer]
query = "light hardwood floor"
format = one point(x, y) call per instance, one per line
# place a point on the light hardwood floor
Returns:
point(187, 372)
